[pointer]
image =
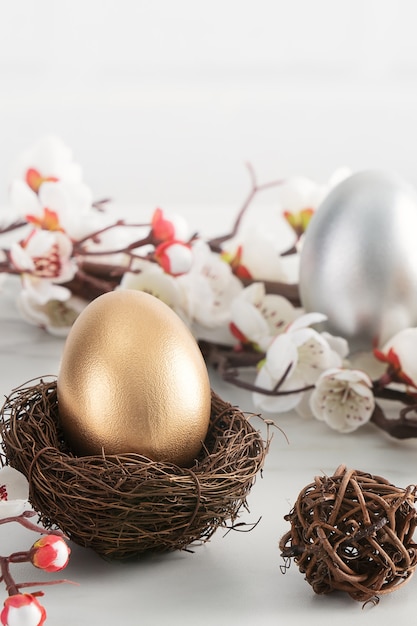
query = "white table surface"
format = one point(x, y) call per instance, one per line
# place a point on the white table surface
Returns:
point(235, 578)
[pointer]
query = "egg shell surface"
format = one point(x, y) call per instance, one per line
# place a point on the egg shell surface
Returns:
point(132, 379)
point(358, 262)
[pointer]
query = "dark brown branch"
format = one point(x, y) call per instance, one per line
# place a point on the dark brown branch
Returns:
point(89, 286)
point(402, 427)
point(228, 362)
point(290, 291)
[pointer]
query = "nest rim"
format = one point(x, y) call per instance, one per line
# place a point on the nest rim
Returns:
point(127, 505)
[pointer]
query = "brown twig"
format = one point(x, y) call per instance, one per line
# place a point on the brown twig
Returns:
point(14, 226)
point(402, 427)
point(215, 243)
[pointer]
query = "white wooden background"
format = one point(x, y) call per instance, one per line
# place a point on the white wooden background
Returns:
point(163, 101)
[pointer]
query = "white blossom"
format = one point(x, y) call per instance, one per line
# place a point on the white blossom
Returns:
point(151, 278)
point(298, 193)
point(260, 248)
point(14, 493)
point(259, 317)
point(44, 261)
point(294, 361)
point(343, 398)
point(55, 316)
point(49, 158)
point(400, 354)
point(209, 287)
point(58, 206)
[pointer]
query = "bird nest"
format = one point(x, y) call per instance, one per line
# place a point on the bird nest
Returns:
point(123, 506)
point(353, 532)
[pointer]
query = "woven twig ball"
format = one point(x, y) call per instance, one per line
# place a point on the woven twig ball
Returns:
point(125, 506)
point(353, 532)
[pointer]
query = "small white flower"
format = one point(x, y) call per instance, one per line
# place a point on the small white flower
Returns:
point(209, 287)
point(298, 193)
point(258, 317)
point(44, 261)
point(151, 278)
point(55, 316)
point(14, 493)
point(48, 159)
point(58, 206)
point(400, 355)
point(343, 399)
point(338, 344)
point(260, 249)
point(294, 360)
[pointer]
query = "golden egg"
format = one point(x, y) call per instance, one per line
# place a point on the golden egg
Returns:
point(132, 379)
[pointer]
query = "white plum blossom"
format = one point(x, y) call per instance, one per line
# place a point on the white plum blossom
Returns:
point(151, 278)
point(259, 250)
point(54, 316)
point(337, 344)
point(400, 355)
point(294, 361)
point(14, 493)
point(44, 261)
point(343, 398)
point(58, 206)
point(50, 159)
point(209, 287)
point(257, 317)
point(301, 196)
point(299, 192)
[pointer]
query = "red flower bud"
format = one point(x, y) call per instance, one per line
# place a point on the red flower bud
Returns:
point(50, 553)
point(22, 608)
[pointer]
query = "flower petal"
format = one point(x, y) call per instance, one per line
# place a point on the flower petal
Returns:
point(307, 319)
point(273, 403)
point(15, 483)
point(281, 357)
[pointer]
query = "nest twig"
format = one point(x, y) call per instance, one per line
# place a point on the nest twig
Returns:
point(353, 532)
point(125, 505)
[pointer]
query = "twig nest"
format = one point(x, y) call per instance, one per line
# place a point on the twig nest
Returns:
point(123, 506)
point(353, 532)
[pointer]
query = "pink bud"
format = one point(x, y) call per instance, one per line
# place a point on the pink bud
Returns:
point(162, 228)
point(50, 553)
point(175, 257)
point(168, 228)
point(22, 608)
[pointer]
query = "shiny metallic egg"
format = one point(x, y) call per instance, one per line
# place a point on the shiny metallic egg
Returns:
point(358, 262)
point(132, 379)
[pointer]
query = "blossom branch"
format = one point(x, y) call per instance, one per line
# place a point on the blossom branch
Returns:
point(23, 520)
point(228, 362)
point(88, 286)
point(13, 226)
point(9, 582)
point(289, 291)
point(49, 553)
point(403, 427)
point(82, 250)
point(215, 243)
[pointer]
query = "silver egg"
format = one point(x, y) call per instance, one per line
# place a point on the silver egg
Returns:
point(358, 263)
